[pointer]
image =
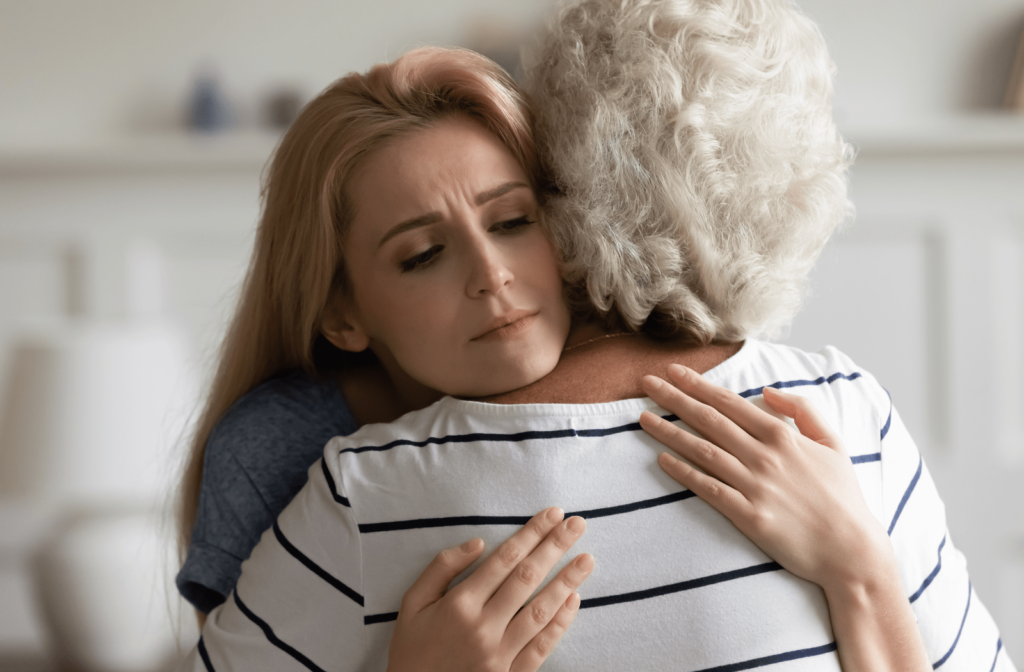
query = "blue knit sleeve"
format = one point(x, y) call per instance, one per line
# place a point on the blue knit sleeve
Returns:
point(256, 461)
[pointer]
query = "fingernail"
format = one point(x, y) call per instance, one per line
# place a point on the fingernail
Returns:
point(668, 458)
point(585, 562)
point(470, 546)
point(573, 602)
point(678, 369)
point(652, 382)
point(555, 514)
point(576, 525)
point(650, 419)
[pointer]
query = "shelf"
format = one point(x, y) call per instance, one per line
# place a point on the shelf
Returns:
point(248, 151)
point(980, 133)
point(241, 151)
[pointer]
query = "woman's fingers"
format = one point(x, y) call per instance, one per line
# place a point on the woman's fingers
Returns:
point(706, 455)
point(453, 630)
point(805, 415)
point(742, 414)
point(707, 419)
point(533, 569)
point(442, 570)
point(543, 643)
point(726, 500)
point(536, 615)
point(493, 572)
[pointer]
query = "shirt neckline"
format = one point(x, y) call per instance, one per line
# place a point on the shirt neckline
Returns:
point(716, 374)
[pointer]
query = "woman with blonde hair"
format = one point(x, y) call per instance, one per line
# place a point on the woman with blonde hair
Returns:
point(281, 390)
point(265, 423)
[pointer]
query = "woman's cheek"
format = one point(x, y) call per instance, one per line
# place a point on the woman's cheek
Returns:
point(417, 313)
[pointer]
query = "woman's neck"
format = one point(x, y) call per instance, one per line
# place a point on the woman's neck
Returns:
point(375, 393)
point(604, 368)
point(598, 365)
point(381, 391)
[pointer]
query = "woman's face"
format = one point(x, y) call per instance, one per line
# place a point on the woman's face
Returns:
point(454, 284)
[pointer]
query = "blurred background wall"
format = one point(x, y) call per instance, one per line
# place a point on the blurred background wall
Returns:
point(114, 216)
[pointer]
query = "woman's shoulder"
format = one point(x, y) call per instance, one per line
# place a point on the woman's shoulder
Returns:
point(830, 370)
point(258, 454)
point(786, 360)
point(293, 414)
point(257, 458)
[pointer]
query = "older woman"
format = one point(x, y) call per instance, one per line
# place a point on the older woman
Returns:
point(699, 175)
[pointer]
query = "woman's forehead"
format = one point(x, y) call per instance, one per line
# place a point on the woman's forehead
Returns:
point(453, 160)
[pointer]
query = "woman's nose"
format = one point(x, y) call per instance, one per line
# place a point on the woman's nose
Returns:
point(489, 273)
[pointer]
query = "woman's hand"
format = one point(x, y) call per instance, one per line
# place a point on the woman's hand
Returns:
point(480, 624)
point(793, 494)
point(796, 496)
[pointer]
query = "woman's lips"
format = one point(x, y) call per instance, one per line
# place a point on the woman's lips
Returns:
point(508, 325)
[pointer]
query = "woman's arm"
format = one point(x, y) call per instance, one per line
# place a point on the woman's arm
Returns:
point(796, 496)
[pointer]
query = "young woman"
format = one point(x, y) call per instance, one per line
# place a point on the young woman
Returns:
point(281, 390)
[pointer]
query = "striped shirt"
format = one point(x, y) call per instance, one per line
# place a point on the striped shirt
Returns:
point(675, 586)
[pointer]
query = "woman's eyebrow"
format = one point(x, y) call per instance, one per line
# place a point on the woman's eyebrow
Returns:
point(497, 192)
point(414, 223)
point(434, 217)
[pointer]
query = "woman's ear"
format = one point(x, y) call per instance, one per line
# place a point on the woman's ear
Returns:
point(341, 327)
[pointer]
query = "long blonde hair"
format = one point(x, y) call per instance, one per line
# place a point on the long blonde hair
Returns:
point(297, 260)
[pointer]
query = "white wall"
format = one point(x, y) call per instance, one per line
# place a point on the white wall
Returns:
point(70, 67)
point(902, 59)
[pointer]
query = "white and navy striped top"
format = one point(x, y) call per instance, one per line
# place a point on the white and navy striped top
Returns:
point(676, 586)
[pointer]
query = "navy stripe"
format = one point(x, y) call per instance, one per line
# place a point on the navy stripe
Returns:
point(452, 521)
point(959, 632)
point(334, 488)
point(467, 438)
point(640, 594)
point(633, 506)
point(776, 658)
point(631, 427)
point(509, 438)
point(906, 495)
point(680, 587)
point(931, 577)
point(888, 421)
point(782, 384)
point(448, 521)
point(209, 665)
point(571, 433)
point(315, 568)
point(273, 639)
point(999, 646)
point(861, 459)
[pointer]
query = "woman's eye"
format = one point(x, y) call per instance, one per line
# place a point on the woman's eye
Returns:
point(422, 259)
point(512, 224)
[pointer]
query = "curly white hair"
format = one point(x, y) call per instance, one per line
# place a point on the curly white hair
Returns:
point(697, 169)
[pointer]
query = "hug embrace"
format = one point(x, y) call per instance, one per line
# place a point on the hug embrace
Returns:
point(484, 327)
